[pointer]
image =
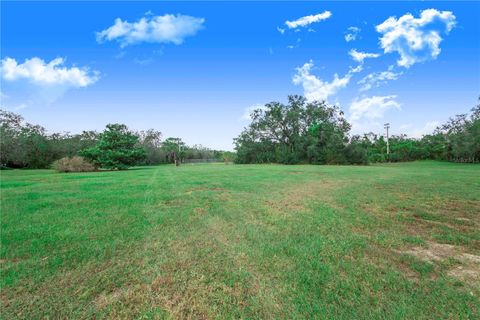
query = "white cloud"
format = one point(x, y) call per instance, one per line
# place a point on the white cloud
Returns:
point(428, 128)
point(357, 69)
point(352, 34)
point(372, 107)
point(36, 82)
point(152, 29)
point(38, 72)
point(248, 111)
point(307, 20)
point(375, 79)
point(281, 30)
point(415, 39)
point(360, 56)
point(315, 88)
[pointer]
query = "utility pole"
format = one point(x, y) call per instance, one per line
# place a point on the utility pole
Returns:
point(180, 148)
point(387, 126)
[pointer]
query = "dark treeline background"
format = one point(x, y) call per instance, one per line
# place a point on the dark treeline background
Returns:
point(24, 145)
point(313, 132)
point(296, 132)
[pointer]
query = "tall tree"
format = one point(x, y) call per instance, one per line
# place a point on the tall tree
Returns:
point(117, 148)
point(299, 131)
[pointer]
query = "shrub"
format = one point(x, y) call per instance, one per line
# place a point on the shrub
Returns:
point(73, 164)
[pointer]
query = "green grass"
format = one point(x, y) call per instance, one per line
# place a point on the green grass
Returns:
point(242, 241)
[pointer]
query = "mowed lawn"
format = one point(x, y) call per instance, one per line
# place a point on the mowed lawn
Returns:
point(397, 241)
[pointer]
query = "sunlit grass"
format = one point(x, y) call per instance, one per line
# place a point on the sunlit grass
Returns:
point(241, 241)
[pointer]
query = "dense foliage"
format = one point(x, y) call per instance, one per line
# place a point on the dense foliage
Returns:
point(117, 148)
point(313, 132)
point(24, 145)
point(299, 131)
point(296, 132)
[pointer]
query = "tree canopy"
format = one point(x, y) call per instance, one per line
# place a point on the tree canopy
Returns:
point(313, 132)
point(298, 131)
point(117, 148)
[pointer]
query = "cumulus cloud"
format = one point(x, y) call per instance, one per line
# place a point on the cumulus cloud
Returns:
point(315, 88)
point(36, 82)
point(375, 79)
point(39, 72)
point(352, 33)
point(415, 39)
point(372, 107)
point(360, 56)
point(152, 29)
point(307, 20)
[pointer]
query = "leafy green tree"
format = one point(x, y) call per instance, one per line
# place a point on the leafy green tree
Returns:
point(299, 131)
point(174, 148)
point(23, 145)
point(117, 148)
point(150, 140)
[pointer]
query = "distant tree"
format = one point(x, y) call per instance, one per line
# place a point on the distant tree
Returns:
point(228, 156)
point(175, 149)
point(299, 131)
point(23, 145)
point(151, 142)
point(355, 152)
point(117, 148)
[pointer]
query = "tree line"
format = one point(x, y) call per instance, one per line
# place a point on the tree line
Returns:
point(25, 145)
point(314, 132)
point(299, 131)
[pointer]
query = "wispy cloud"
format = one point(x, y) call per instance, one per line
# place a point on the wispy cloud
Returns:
point(415, 39)
point(352, 34)
point(152, 29)
point(360, 56)
point(143, 62)
point(375, 79)
point(315, 88)
point(372, 107)
point(307, 20)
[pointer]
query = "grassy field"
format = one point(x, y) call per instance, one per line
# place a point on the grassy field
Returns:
point(397, 241)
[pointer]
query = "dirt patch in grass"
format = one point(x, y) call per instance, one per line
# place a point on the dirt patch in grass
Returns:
point(105, 299)
point(434, 252)
point(200, 211)
point(439, 253)
point(466, 274)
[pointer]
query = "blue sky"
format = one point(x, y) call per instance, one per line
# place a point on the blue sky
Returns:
point(193, 69)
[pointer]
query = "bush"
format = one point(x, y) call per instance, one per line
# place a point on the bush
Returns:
point(73, 164)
